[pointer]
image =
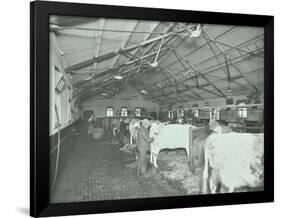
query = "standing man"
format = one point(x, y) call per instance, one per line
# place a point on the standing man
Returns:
point(142, 149)
point(217, 128)
point(214, 126)
point(92, 123)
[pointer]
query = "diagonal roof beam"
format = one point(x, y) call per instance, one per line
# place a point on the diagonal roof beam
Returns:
point(149, 35)
point(115, 61)
point(166, 47)
point(212, 69)
point(111, 70)
point(201, 74)
point(99, 44)
point(237, 49)
point(222, 67)
point(180, 61)
point(115, 53)
point(232, 29)
point(176, 81)
point(229, 59)
point(175, 38)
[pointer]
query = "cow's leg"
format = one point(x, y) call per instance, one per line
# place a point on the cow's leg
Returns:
point(155, 159)
point(136, 152)
point(205, 181)
point(214, 181)
point(190, 166)
point(138, 164)
point(205, 175)
point(213, 186)
point(231, 189)
point(131, 138)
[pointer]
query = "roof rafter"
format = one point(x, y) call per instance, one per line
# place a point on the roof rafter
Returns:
point(196, 80)
point(116, 59)
point(196, 71)
point(99, 44)
point(208, 35)
point(217, 37)
point(113, 54)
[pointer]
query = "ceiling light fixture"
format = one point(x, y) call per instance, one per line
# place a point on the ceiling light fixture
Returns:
point(104, 94)
point(229, 89)
point(118, 77)
point(195, 31)
point(154, 64)
point(144, 92)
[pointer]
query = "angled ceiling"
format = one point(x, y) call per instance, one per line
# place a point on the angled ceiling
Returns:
point(172, 62)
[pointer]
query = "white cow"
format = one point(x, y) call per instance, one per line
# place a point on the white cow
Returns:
point(116, 123)
point(133, 125)
point(233, 160)
point(169, 136)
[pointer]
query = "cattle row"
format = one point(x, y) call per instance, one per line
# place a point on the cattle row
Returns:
point(231, 160)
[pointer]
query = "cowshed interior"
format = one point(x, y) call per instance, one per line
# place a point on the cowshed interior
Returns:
point(138, 69)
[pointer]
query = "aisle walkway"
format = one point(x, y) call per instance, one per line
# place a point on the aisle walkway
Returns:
point(96, 170)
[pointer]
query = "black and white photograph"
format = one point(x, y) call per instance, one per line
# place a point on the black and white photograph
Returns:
point(144, 109)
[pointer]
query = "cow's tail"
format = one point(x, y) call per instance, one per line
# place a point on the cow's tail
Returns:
point(205, 175)
point(131, 138)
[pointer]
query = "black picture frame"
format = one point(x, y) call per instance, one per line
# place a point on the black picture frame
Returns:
point(39, 108)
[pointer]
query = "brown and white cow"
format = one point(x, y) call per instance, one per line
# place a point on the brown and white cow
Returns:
point(233, 160)
point(169, 136)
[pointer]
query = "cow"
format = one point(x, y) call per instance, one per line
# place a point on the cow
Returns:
point(116, 123)
point(133, 125)
point(233, 161)
point(169, 136)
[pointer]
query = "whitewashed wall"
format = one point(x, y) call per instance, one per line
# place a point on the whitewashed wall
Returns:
point(129, 98)
point(68, 110)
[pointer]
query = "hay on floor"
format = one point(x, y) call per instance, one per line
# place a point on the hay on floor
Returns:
point(175, 168)
point(128, 148)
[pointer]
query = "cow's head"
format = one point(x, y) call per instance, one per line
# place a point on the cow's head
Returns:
point(154, 129)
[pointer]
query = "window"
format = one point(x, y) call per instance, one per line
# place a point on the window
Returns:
point(109, 111)
point(195, 112)
point(170, 114)
point(242, 111)
point(138, 112)
point(124, 112)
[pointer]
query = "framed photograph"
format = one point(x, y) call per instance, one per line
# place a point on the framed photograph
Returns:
point(142, 109)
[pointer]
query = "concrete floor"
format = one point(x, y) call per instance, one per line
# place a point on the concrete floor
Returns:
point(96, 170)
